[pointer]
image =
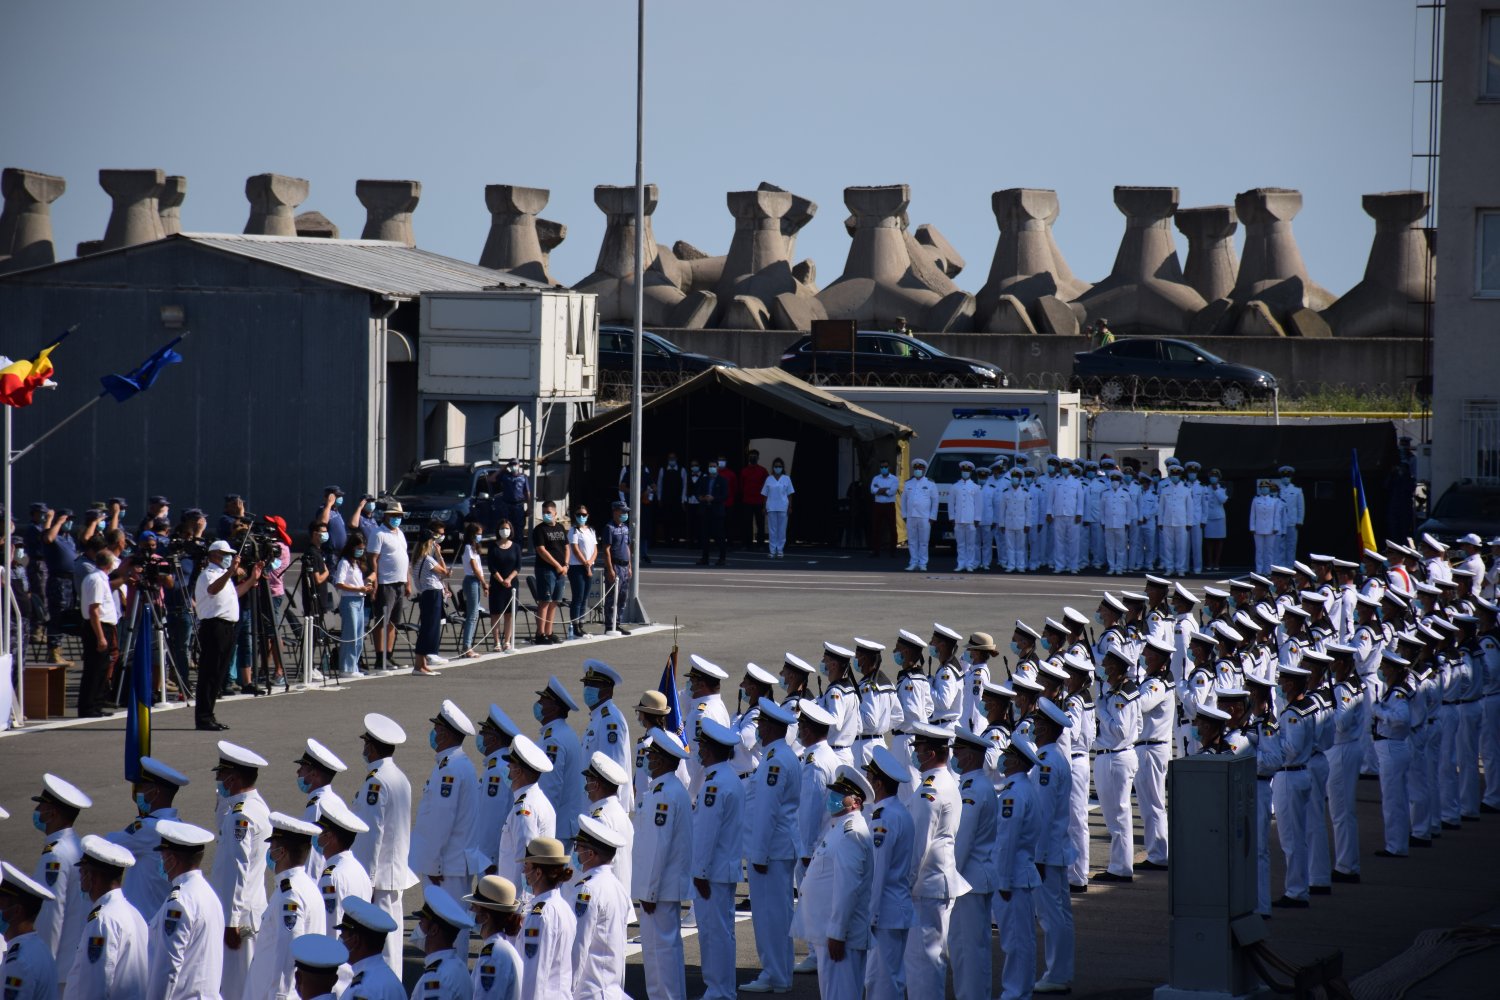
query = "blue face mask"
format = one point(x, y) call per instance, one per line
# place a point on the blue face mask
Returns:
point(914, 762)
point(583, 519)
point(161, 869)
point(1015, 647)
point(223, 790)
point(536, 711)
point(1192, 477)
point(1047, 644)
point(1213, 480)
point(932, 650)
point(141, 804)
point(270, 861)
point(899, 658)
point(304, 786)
point(276, 563)
point(590, 696)
point(338, 501)
point(359, 553)
point(1100, 673)
point(322, 536)
point(1098, 618)
point(835, 803)
point(964, 474)
point(395, 522)
point(1263, 491)
point(1196, 737)
point(624, 518)
point(36, 820)
point(547, 518)
point(432, 739)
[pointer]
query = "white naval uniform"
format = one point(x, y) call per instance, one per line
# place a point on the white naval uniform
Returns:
point(841, 700)
point(186, 935)
point(238, 877)
point(771, 841)
point(372, 979)
point(497, 970)
point(384, 803)
point(111, 958)
point(1053, 779)
point(1266, 519)
point(294, 909)
point(919, 503)
point(964, 501)
point(1074, 741)
point(1119, 714)
point(1392, 715)
point(492, 807)
point(718, 831)
point(611, 812)
point(947, 691)
point(663, 855)
point(914, 700)
point(608, 733)
point(879, 711)
point(532, 816)
point(1014, 512)
point(1153, 750)
point(602, 908)
point(1019, 825)
point(342, 876)
point(936, 882)
point(28, 970)
point(1065, 501)
point(61, 919)
point(311, 812)
point(563, 785)
point(1291, 789)
point(819, 764)
point(975, 855)
point(1296, 512)
point(444, 975)
point(1173, 503)
point(440, 834)
point(1265, 739)
point(710, 706)
point(891, 910)
point(547, 947)
point(976, 676)
point(145, 886)
point(835, 904)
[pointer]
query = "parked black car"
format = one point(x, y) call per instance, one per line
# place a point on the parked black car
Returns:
point(889, 358)
point(1464, 508)
point(658, 354)
point(451, 493)
point(1159, 369)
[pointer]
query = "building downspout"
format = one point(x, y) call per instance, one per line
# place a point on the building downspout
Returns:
point(382, 355)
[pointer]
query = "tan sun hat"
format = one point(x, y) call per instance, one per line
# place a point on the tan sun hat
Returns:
point(652, 703)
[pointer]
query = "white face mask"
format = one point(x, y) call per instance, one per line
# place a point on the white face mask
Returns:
point(504, 532)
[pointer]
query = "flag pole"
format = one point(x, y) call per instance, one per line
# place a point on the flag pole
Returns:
point(10, 513)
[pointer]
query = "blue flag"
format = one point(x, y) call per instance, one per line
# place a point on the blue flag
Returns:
point(138, 705)
point(122, 387)
point(668, 687)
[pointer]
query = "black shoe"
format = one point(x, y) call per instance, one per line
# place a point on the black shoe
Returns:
point(1109, 876)
point(624, 629)
point(1369, 777)
point(1076, 889)
point(1418, 842)
point(1383, 853)
point(1471, 819)
point(1451, 826)
point(702, 562)
point(646, 560)
point(1288, 903)
point(1151, 866)
point(1320, 890)
point(1485, 807)
point(213, 726)
point(1339, 876)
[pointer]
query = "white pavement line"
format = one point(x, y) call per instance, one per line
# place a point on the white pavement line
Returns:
point(633, 945)
point(914, 593)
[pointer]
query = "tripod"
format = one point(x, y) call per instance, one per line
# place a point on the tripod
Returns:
point(318, 649)
point(147, 606)
point(264, 645)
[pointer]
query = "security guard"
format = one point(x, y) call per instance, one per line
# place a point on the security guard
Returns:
point(604, 781)
point(704, 681)
point(190, 920)
point(1019, 826)
point(384, 804)
point(608, 730)
point(316, 960)
point(834, 912)
point(145, 885)
point(602, 908)
point(772, 848)
point(315, 772)
point(238, 874)
point(439, 853)
point(974, 854)
point(111, 957)
point(1053, 782)
point(891, 911)
point(342, 876)
point(840, 699)
point(1115, 763)
point(61, 919)
point(1392, 715)
point(294, 909)
point(440, 921)
point(496, 731)
point(919, 507)
point(497, 915)
point(550, 926)
point(563, 785)
point(948, 679)
point(364, 931)
point(936, 882)
point(878, 707)
point(532, 814)
point(718, 829)
point(663, 854)
point(28, 968)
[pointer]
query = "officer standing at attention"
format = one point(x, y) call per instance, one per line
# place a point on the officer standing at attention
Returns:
point(497, 916)
point(604, 782)
point(111, 957)
point(919, 504)
point(1392, 715)
point(771, 848)
point(936, 882)
point(840, 700)
point(879, 711)
point(1292, 786)
point(342, 876)
point(891, 911)
point(316, 961)
point(440, 923)
point(315, 770)
point(1296, 513)
point(913, 690)
point(974, 854)
point(834, 913)
point(439, 853)
point(550, 926)
point(364, 931)
point(190, 921)
point(704, 682)
point(1119, 715)
point(608, 730)
point(948, 679)
point(384, 804)
point(61, 919)
point(154, 790)
point(1267, 516)
point(532, 814)
point(1153, 749)
point(563, 785)
point(1018, 828)
point(1014, 516)
point(718, 831)
point(1065, 507)
point(294, 909)
point(1173, 502)
point(238, 875)
point(884, 490)
point(602, 907)
point(663, 855)
point(1053, 777)
point(497, 730)
point(965, 499)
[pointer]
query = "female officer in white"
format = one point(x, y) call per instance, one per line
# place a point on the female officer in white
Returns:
point(27, 966)
point(110, 961)
point(497, 970)
point(778, 492)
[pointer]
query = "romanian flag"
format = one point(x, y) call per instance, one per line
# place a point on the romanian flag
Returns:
point(668, 687)
point(1362, 527)
point(19, 379)
point(138, 693)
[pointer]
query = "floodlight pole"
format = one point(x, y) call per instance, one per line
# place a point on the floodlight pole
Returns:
point(635, 611)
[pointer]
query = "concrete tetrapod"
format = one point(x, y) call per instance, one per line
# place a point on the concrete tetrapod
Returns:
point(1028, 279)
point(613, 278)
point(169, 204)
point(1145, 292)
point(135, 215)
point(1390, 300)
point(513, 243)
point(388, 209)
point(1271, 270)
point(273, 204)
point(26, 220)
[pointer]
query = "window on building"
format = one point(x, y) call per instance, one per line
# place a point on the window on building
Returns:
point(1487, 254)
point(1480, 435)
point(1489, 79)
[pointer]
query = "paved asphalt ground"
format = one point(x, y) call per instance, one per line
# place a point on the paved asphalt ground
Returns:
point(755, 609)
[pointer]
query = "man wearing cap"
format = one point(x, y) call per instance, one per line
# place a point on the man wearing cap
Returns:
point(1052, 779)
point(1350, 722)
point(989, 516)
point(936, 882)
point(1117, 512)
point(496, 732)
point(316, 960)
point(878, 710)
point(604, 782)
point(342, 876)
point(315, 770)
point(913, 689)
point(964, 500)
point(819, 764)
point(440, 923)
point(217, 600)
point(948, 678)
point(1013, 514)
point(1115, 764)
point(1392, 715)
point(919, 506)
point(839, 700)
point(533, 814)
point(384, 804)
point(608, 730)
point(61, 918)
point(145, 887)
point(835, 908)
point(387, 546)
point(663, 856)
point(364, 930)
point(885, 491)
point(1065, 503)
point(718, 829)
point(188, 931)
point(1019, 825)
point(497, 972)
point(111, 957)
point(294, 909)
point(238, 875)
point(28, 967)
point(704, 680)
point(439, 853)
point(602, 907)
point(1292, 786)
point(891, 910)
point(771, 847)
point(1153, 748)
point(757, 683)
point(975, 855)
point(563, 785)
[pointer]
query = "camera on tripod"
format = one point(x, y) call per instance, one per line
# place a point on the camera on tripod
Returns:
point(260, 542)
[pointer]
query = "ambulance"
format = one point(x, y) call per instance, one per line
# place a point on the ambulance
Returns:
point(982, 435)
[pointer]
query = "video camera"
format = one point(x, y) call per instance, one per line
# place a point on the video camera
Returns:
point(258, 539)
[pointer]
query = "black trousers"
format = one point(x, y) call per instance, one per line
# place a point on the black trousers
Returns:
point(96, 663)
point(215, 647)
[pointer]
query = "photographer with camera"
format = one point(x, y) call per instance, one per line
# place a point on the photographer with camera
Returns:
point(218, 594)
point(234, 513)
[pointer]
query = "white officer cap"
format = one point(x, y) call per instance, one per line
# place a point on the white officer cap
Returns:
point(912, 638)
point(598, 670)
point(718, 732)
point(383, 729)
point(367, 915)
point(1396, 596)
point(1313, 654)
point(919, 461)
point(12, 879)
point(156, 770)
point(607, 769)
point(1197, 635)
point(1264, 581)
point(1212, 712)
point(175, 833)
point(318, 951)
point(106, 852)
point(927, 731)
point(1076, 663)
point(1158, 581)
point(1432, 589)
point(595, 829)
point(966, 464)
point(1283, 571)
point(1025, 629)
point(886, 763)
point(316, 753)
point(1367, 601)
point(1470, 539)
point(1304, 569)
point(667, 743)
point(237, 756)
point(1119, 657)
point(1373, 556)
point(497, 719)
point(771, 710)
point(1024, 683)
point(1445, 625)
point(454, 718)
point(1187, 595)
point(1338, 649)
point(1293, 671)
point(446, 908)
point(1230, 692)
point(1114, 602)
point(848, 781)
point(1054, 625)
point(1161, 645)
point(55, 789)
point(962, 735)
point(281, 823)
point(1388, 657)
point(1433, 543)
point(705, 668)
point(1298, 611)
point(1243, 583)
point(868, 645)
point(940, 629)
point(1050, 709)
point(1075, 616)
point(529, 754)
point(839, 651)
point(760, 675)
point(333, 810)
point(1345, 564)
point(812, 712)
point(1218, 592)
point(797, 663)
point(1246, 621)
point(1052, 670)
point(555, 689)
point(495, 892)
point(1269, 612)
point(1319, 557)
point(1312, 597)
point(1411, 639)
point(1134, 597)
point(1024, 747)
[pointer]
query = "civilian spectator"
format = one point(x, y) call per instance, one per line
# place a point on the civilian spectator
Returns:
point(693, 486)
point(513, 495)
point(61, 554)
point(242, 661)
point(776, 494)
point(218, 594)
point(100, 616)
point(157, 507)
point(883, 491)
point(583, 549)
point(713, 495)
point(234, 509)
point(315, 567)
point(550, 542)
point(472, 579)
point(503, 563)
point(752, 502)
point(392, 579)
point(275, 578)
point(430, 572)
point(353, 586)
point(338, 532)
point(671, 494)
point(35, 537)
point(731, 494)
point(617, 572)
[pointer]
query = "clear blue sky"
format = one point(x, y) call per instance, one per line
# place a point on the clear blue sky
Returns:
point(957, 98)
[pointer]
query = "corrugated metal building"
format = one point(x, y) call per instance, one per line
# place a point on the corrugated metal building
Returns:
point(300, 368)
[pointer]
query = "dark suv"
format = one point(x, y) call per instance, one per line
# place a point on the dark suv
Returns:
point(889, 358)
point(1464, 508)
point(452, 494)
point(1160, 369)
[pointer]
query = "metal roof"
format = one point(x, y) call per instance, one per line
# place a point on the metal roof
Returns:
point(378, 266)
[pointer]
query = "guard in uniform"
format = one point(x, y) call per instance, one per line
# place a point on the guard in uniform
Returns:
point(61, 919)
point(316, 960)
point(186, 935)
point(548, 931)
point(704, 681)
point(608, 730)
point(342, 876)
point(532, 814)
point(1158, 708)
point(834, 912)
point(439, 923)
point(974, 854)
point(383, 802)
point(1292, 787)
point(111, 957)
point(1392, 715)
point(439, 853)
point(604, 782)
point(315, 772)
point(936, 882)
point(1119, 716)
point(663, 854)
point(919, 507)
point(948, 679)
point(364, 931)
point(602, 908)
point(1019, 826)
point(295, 908)
point(772, 848)
point(913, 690)
point(965, 500)
point(497, 916)
point(28, 969)
point(879, 711)
point(891, 911)
point(718, 831)
point(145, 885)
point(238, 874)
point(497, 730)
point(1053, 781)
point(563, 785)
point(840, 700)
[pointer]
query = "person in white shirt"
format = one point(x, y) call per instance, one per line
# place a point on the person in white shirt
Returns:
point(217, 599)
point(663, 854)
point(439, 852)
point(293, 909)
point(392, 580)
point(919, 503)
point(111, 956)
point(602, 906)
point(364, 930)
point(430, 576)
point(315, 770)
point(497, 917)
point(891, 910)
point(937, 882)
point(473, 583)
point(100, 616)
point(550, 926)
point(563, 784)
point(341, 877)
point(188, 961)
point(1266, 519)
point(965, 498)
point(884, 496)
point(354, 589)
point(583, 549)
point(238, 875)
point(834, 912)
point(718, 830)
point(28, 967)
point(383, 802)
point(445, 972)
point(778, 492)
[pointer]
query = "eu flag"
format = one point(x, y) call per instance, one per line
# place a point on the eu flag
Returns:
point(668, 687)
point(122, 387)
point(138, 707)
